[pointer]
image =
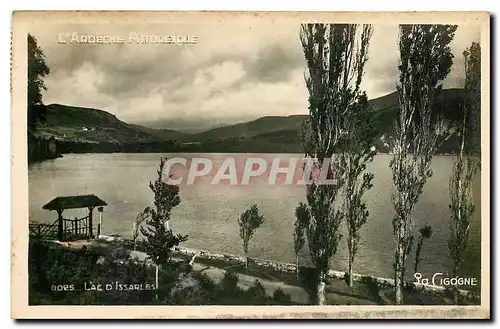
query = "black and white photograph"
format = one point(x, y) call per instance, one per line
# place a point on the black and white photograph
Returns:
point(305, 161)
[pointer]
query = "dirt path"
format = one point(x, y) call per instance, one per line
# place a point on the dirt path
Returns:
point(244, 281)
point(298, 294)
point(337, 292)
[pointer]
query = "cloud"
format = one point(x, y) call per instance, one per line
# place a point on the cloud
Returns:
point(275, 63)
point(465, 35)
point(381, 69)
point(235, 72)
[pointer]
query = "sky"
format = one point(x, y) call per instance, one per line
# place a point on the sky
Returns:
point(234, 73)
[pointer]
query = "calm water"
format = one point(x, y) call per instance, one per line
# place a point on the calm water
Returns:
point(208, 213)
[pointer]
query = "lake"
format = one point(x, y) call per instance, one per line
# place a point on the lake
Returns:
point(208, 213)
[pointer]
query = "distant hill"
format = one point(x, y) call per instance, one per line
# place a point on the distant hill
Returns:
point(386, 108)
point(89, 125)
point(266, 134)
point(163, 134)
point(288, 128)
point(264, 125)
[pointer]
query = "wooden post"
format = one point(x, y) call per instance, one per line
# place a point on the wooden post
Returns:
point(60, 225)
point(91, 233)
point(99, 232)
point(134, 235)
point(156, 281)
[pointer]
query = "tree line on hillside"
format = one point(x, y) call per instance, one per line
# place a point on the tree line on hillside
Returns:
point(233, 145)
point(215, 146)
point(65, 146)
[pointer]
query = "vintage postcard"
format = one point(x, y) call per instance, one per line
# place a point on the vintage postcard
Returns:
point(250, 165)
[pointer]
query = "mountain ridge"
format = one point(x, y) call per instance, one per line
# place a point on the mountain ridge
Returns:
point(79, 124)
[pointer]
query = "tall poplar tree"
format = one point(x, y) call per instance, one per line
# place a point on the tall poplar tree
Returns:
point(465, 164)
point(335, 60)
point(425, 61)
point(356, 152)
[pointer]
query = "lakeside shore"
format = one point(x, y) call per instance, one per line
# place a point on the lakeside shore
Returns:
point(272, 274)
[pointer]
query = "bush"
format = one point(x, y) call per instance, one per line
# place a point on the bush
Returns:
point(229, 281)
point(257, 294)
point(178, 284)
point(280, 298)
point(308, 277)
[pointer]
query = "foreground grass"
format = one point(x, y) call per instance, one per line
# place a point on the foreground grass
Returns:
point(338, 292)
point(337, 289)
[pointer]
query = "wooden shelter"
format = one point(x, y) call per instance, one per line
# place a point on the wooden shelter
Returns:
point(78, 226)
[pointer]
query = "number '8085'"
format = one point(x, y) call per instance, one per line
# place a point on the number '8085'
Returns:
point(62, 287)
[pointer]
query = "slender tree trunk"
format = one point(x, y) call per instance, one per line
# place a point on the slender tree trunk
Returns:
point(351, 280)
point(156, 280)
point(398, 288)
point(455, 290)
point(297, 265)
point(321, 290)
point(246, 259)
point(459, 201)
point(399, 275)
point(417, 254)
point(455, 295)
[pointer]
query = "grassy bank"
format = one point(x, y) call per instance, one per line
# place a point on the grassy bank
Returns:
point(365, 288)
point(86, 273)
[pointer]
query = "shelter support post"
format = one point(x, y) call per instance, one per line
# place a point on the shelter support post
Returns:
point(99, 231)
point(91, 232)
point(60, 236)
